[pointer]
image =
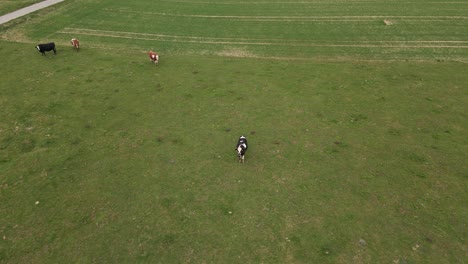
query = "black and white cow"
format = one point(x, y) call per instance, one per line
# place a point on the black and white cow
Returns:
point(42, 48)
point(241, 148)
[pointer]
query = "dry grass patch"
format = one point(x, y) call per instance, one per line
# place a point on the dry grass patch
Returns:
point(236, 52)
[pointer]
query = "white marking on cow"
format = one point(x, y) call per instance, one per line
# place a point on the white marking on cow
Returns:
point(239, 149)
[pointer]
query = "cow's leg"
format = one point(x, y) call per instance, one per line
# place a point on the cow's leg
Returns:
point(55, 52)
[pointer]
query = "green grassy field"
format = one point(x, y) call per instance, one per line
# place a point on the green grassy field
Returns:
point(7, 6)
point(357, 133)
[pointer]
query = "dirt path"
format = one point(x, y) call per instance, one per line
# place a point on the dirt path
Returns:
point(27, 10)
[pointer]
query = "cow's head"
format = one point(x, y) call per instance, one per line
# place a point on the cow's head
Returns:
point(38, 48)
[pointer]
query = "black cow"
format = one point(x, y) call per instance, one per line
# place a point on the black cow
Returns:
point(42, 48)
point(241, 148)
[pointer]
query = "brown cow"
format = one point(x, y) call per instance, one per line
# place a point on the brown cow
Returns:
point(75, 43)
point(153, 56)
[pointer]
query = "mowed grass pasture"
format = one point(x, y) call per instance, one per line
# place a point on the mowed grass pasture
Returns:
point(355, 112)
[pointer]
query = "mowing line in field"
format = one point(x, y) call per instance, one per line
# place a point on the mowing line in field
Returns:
point(298, 18)
point(263, 42)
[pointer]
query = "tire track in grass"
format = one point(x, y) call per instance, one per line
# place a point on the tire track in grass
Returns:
point(296, 18)
point(300, 2)
point(267, 42)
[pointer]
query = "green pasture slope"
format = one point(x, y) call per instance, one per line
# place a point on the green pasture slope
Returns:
point(355, 113)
